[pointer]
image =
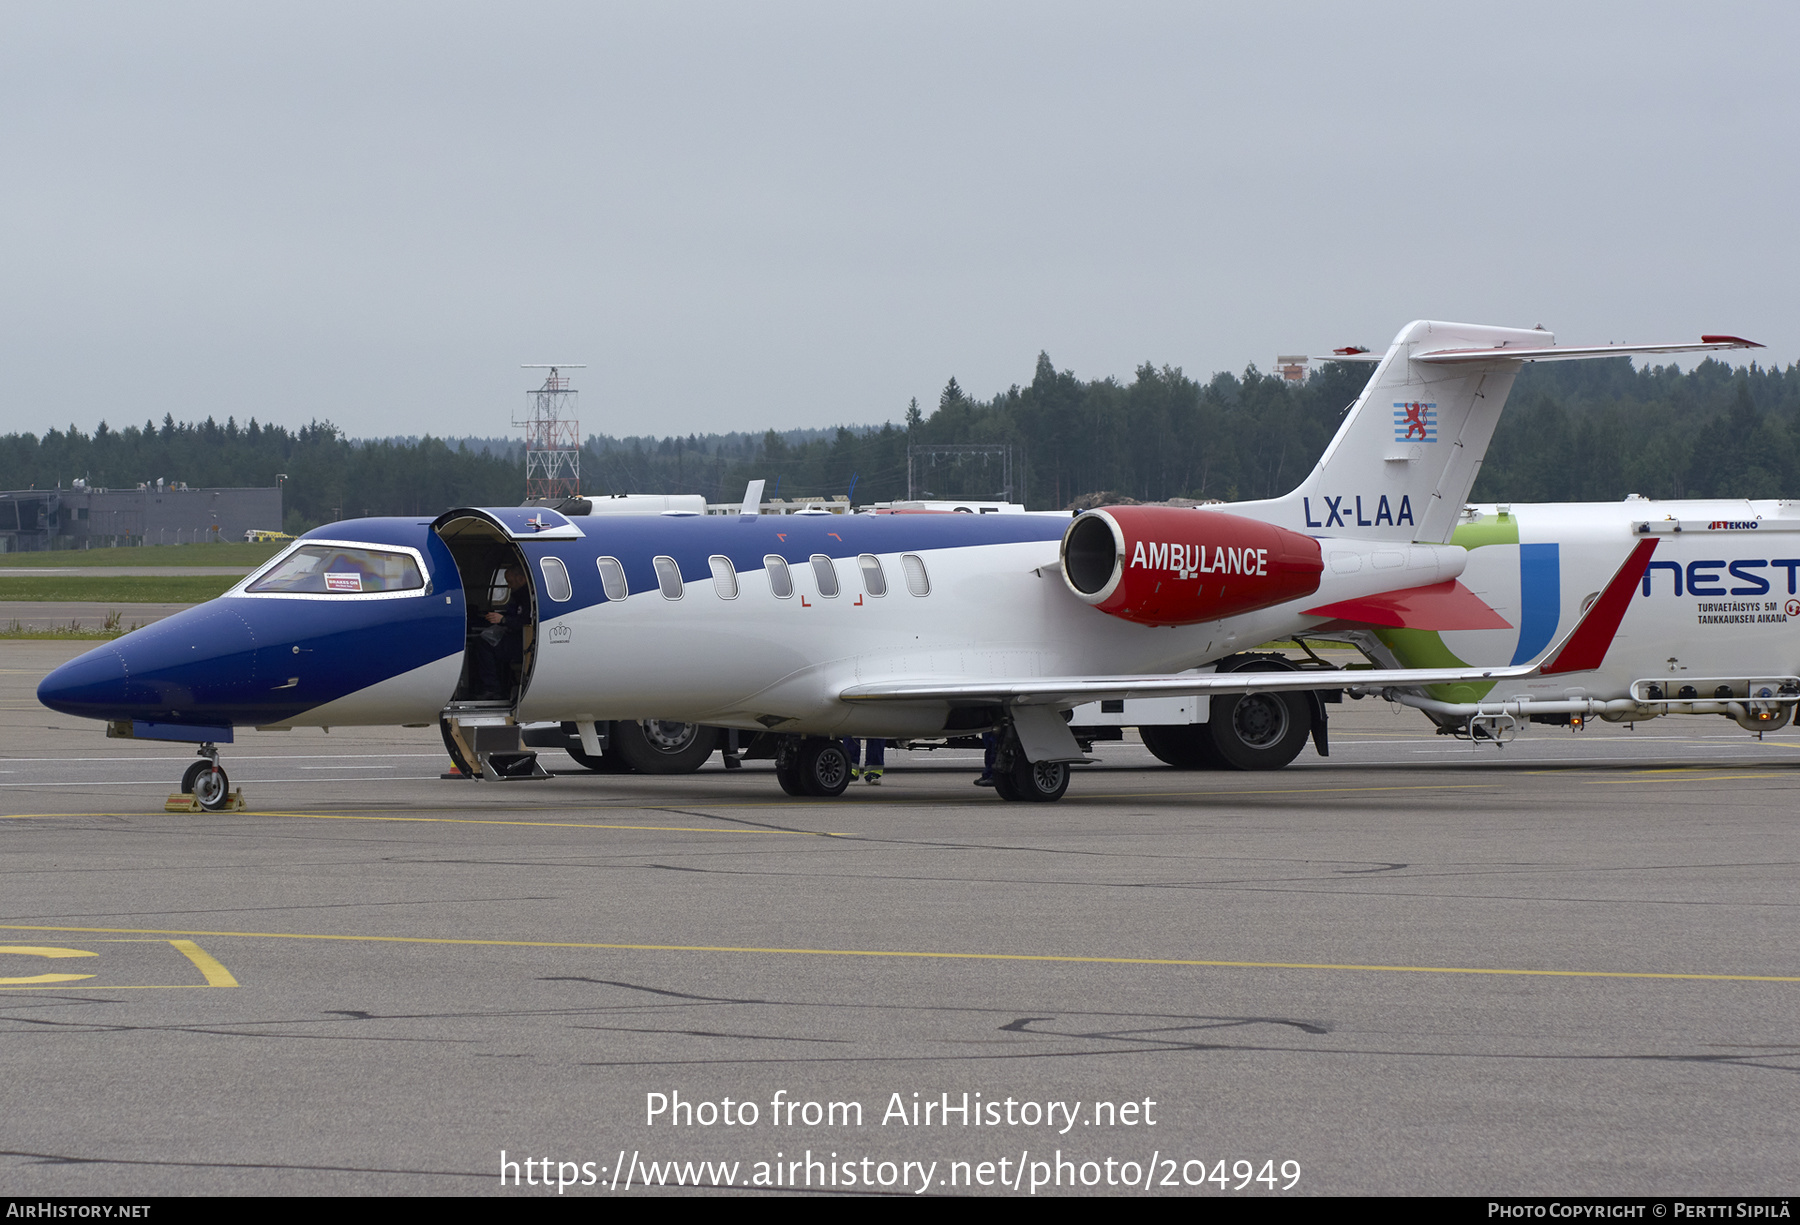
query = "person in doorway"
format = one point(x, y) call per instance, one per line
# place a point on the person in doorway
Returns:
point(500, 644)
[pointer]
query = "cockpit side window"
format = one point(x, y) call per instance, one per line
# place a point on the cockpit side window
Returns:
point(331, 569)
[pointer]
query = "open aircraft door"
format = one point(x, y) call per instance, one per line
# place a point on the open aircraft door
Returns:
point(480, 725)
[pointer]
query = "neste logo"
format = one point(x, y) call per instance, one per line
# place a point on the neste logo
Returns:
point(1704, 577)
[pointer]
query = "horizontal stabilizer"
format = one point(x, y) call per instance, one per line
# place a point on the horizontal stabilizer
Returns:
point(1569, 353)
point(1438, 606)
point(1545, 353)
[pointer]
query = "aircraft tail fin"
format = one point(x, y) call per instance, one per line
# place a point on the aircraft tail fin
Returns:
point(1406, 456)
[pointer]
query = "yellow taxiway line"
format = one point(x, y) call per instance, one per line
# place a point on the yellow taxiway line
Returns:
point(1060, 958)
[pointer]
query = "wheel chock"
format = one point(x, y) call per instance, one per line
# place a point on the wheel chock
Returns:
point(183, 801)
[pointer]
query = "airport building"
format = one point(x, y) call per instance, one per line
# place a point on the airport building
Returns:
point(80, 517)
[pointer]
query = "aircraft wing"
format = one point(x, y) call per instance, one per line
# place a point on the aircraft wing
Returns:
point(1075, 690)
point(1034, 704)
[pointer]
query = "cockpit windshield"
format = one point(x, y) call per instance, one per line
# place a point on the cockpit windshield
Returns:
point(330, 569)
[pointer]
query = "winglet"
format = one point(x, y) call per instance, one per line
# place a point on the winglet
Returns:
point(1585, 647)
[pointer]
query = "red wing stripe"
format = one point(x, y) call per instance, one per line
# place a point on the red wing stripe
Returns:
point(1586, 647)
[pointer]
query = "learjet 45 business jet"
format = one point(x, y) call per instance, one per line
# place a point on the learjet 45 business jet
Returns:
point(807, 628)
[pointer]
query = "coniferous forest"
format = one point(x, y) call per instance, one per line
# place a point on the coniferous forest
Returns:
point(1573, 431)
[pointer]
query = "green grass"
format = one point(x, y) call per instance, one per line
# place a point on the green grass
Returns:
point(239, 553)
point(124, 589)
point(74, 631)
point(57, 635)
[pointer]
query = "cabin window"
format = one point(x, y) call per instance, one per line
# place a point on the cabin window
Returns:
point(874, 578)
point(328, 569)
point(780, 581)
point(612, 578)
point(724, 577)
point(556, 579)
point(825, 574)
point(668, 577)
point(917, 581)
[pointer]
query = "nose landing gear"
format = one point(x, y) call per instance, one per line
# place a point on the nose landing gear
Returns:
point(206, 787)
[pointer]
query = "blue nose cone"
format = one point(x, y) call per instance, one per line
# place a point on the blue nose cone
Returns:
point(198, 665)
point(91, 685)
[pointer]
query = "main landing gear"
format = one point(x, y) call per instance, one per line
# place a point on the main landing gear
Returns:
point(818, 767)
point(1033, 782)
point(813, 766)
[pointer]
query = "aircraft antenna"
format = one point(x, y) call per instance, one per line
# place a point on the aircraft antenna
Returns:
point(552, 436)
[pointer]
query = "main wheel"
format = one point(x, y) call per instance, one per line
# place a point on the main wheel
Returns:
point(191, 775)
point(1003, 785)
point(1186, 746)
point(787, 771)
point(1039, 781)
point(212, 788)
point(660, 746)
point(824, 768)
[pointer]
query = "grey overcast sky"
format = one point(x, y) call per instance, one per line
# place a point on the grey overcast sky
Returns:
point(761, 214)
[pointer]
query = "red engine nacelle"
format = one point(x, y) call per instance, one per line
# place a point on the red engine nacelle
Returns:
point(1164, 565)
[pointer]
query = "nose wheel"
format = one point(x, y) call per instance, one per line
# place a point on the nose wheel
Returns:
point(207, 782)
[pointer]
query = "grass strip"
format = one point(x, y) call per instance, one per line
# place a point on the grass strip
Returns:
point(113, 626)
point(121, 589)
point(222, 554)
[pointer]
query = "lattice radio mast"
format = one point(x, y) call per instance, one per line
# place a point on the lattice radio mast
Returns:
point(552, 437)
